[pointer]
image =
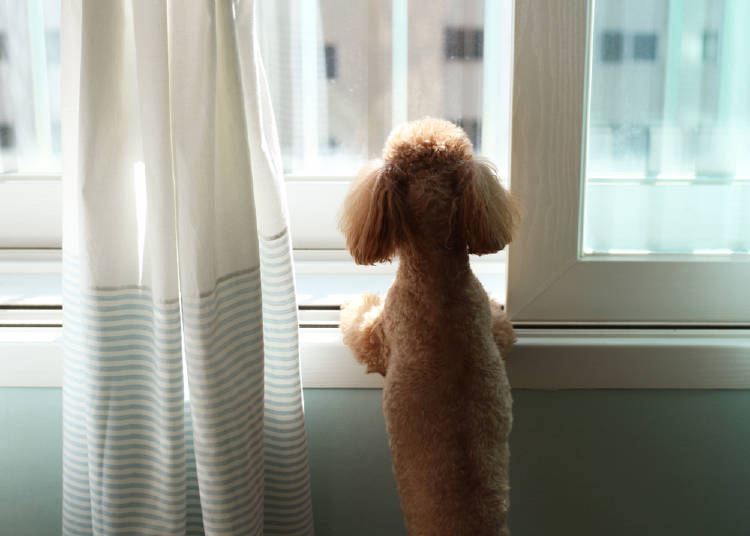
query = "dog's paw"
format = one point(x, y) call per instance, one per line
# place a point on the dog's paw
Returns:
point(360, 311)
point(502, 329)
point(361, 335)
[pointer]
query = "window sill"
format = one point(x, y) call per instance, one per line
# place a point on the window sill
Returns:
point(30, 284)
point(541, 359)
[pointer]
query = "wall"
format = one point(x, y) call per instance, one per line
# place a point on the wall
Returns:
point(30, 461)
point(584, 463)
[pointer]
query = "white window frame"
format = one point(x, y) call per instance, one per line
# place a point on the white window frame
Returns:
point(30, 211)
point(550, 282)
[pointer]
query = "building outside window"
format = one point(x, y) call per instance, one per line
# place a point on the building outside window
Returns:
point(644, 46)
point(612, 46)
point(463, 44)
point(331, 62)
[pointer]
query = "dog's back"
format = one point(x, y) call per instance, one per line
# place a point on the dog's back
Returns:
point(448, 408)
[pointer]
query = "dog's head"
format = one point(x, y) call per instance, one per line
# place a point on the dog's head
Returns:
point(429, 190)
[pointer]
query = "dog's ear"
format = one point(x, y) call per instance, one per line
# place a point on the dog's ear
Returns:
point(488, 214)
point(372, 218)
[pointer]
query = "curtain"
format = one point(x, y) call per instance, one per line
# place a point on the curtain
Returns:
point(182, 404)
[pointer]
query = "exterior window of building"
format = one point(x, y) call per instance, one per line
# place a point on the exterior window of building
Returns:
point(611, 46)
point(644, 46)
point(7, 136)
point(473, 128)
point(333, 143)
point(464, 43)
point(631, 145)
point(710, 46)
point(331, 63)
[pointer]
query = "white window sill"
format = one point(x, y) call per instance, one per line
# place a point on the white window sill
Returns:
point(30, 284)
point(543, 358)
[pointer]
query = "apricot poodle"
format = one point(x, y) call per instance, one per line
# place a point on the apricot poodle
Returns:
point(436, 337)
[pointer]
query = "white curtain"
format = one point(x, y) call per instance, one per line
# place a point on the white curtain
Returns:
point(182, 401)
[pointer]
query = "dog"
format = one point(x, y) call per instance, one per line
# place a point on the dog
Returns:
point(437, 338)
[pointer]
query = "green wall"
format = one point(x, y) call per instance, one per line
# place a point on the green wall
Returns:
point(584, 463)
point(30, 461)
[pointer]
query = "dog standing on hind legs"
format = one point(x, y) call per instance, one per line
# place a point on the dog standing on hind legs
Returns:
point(436, 338)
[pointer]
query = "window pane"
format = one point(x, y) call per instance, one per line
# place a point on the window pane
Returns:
point(446, 63)
point(30, 86)
point(343, 73)
point(668, 165)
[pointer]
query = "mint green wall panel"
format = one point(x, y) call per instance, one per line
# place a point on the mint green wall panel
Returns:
point(584, 463)
point(30, 461)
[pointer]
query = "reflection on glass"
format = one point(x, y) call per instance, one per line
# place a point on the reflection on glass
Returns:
point(30, 86)
point(668, 165)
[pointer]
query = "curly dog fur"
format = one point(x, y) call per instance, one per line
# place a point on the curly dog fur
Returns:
point(436, 337)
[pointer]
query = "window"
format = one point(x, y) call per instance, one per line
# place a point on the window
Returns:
point(635, 193)
point(710, 46)
point(330, 54)
point(473, 128)
point(629, 125)
point(7, 136)
point(29, 86)
point(30, 147)
point(463, 44)
point(389, 65)
point(666, 167)
point(644, 46)
point(612, 45)
point(342, 74)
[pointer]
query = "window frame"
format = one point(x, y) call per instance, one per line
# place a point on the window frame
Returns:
point(30, 211)
point(550, 282)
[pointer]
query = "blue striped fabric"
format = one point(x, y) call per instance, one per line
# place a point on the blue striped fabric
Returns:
point(124, 466)
point(138, 458)
point(194, 516)
point(288, 508)
point(224, 354)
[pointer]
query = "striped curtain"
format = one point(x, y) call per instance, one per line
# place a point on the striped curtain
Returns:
point(182, 404)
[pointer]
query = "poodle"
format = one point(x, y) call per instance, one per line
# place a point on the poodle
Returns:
point(437, 338)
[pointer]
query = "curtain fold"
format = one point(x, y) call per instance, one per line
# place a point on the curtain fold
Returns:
point(182, 403)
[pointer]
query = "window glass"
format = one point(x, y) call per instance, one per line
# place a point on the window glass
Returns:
point(30, 86)
point(343, 73)
point(667, 164)
point(446, 63)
